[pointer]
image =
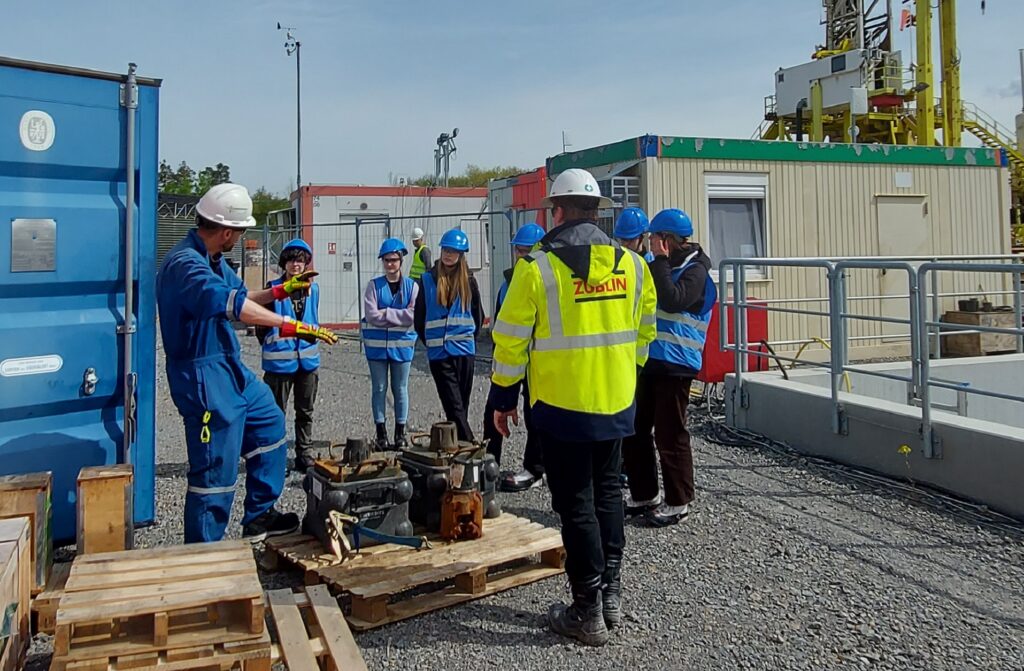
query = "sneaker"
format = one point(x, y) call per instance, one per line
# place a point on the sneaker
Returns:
point(666, 515)
point(270, 523)
point(520, 482)
point(634, 508)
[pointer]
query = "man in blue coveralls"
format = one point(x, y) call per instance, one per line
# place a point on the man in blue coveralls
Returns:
point(229, 414)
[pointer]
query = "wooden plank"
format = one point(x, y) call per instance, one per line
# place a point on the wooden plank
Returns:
point(160, 630)
point(291, 632)
point(152, 576)
point(192, 550)
point(472, 582)
point(141, 643)
point(161, 597)
point(336, 635)
point(451, 596)
point(45, 604)
point(201, 590)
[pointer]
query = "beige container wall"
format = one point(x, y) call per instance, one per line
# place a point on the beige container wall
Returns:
point(829, 210)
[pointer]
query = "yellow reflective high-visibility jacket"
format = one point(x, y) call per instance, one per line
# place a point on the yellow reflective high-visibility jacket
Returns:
point(579, 316)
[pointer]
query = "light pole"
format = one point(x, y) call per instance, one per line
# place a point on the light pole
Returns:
point(293, 46)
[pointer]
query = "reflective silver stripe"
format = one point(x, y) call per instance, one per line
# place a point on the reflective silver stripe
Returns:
point(685, 319)
point(638, 264)
point(211, 490)
point(585, 341)
point(547, 275)
point(673, 339)
point(642, 352)
point(308, 352)
point(499, 368)
point(229, 310)
point(389, 344)
point(647, 320)
point(460, 336)
point(461, 321)
point(511, 330)
point(280, 356)
point(436, 323)
point(265, 449)
point(435, 342)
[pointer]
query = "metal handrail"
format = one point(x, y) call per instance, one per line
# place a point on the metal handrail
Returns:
point(923, 309)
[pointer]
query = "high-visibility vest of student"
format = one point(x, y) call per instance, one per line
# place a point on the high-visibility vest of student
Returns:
point(448, 331)
point(287, 355)
point(581, 339)
point(417, 268)
point(397, 343)
point(681, 336)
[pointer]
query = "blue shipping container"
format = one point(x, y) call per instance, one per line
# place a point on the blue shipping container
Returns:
point(63, 202)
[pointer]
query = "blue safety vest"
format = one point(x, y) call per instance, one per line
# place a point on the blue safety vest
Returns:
point(397, 343)
point(448, 331)
point(681, 336)
point(287, 355)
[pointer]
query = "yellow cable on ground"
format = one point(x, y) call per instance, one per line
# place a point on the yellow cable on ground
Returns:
point(846, 375)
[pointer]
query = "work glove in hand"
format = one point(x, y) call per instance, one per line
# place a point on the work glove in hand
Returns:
point(300, 282)
point(296, 329)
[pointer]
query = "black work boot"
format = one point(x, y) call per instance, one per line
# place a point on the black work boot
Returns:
point(583, 620)
point(611, 592)
point(303, 460)
point(401, 442)
point(381, 444)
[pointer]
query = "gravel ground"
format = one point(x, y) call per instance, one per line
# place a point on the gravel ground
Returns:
point(782, 565)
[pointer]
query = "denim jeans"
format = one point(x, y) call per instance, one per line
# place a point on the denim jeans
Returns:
point(399, 372)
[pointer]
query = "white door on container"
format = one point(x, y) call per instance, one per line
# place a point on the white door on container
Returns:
point(904, 229)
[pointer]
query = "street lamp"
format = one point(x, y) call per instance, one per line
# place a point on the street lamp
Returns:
point(293, 46)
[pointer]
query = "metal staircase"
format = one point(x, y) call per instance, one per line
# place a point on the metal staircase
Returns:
point(996, 136)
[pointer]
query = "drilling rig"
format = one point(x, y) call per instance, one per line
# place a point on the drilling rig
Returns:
point(856, 88)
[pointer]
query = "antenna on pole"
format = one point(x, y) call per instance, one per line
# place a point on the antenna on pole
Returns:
point(442, 155)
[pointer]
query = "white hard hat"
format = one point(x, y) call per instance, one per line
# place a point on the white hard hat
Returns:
point(576, 182)
point(417, 233)
point(228, 205)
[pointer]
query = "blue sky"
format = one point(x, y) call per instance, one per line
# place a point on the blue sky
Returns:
point(382, 79)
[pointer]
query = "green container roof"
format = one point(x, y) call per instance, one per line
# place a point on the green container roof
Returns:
point(762, 150)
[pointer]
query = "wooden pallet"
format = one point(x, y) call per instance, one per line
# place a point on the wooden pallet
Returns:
point(311, 627)
point(44, 606)
point(445, 575)
point(135, 608)
point(251, 655)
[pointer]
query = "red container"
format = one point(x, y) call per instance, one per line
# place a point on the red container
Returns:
point(718, 364)
point(527, 192)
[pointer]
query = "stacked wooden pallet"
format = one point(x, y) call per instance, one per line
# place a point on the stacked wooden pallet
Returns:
point(388, 583)
point(171, 608)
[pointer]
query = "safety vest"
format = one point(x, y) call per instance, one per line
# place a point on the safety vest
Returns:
point(417, 268)
point(448, 331)
point(580, 342)
point(397, 343)
point(681, 336)
point(287, 355)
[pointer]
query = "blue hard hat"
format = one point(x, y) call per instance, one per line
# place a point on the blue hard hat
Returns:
point(529, 235)
point(631, 224)
point(672, 221)
point(298, 243)
point(392, 246)
point(455, 239)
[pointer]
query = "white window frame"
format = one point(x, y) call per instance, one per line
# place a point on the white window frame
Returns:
point(738, 185)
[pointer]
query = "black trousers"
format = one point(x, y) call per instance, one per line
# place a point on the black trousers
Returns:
point(586, 494)
point(453, 378)
point(661, 403)
point(305, 384)
point(532, 459)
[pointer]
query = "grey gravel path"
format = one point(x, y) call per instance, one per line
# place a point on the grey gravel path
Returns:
point(780, 566)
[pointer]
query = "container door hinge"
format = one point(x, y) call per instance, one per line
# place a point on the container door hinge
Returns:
point(121, 330)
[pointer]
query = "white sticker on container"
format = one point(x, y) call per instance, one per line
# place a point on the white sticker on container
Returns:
point(903, 180)
point(32, 365)
point(318, 489)
point(37, 130)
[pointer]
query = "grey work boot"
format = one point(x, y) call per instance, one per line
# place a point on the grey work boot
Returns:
point(611, 593)
point(583, 619)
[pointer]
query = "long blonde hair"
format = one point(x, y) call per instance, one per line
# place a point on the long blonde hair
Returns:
point(453, 282)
